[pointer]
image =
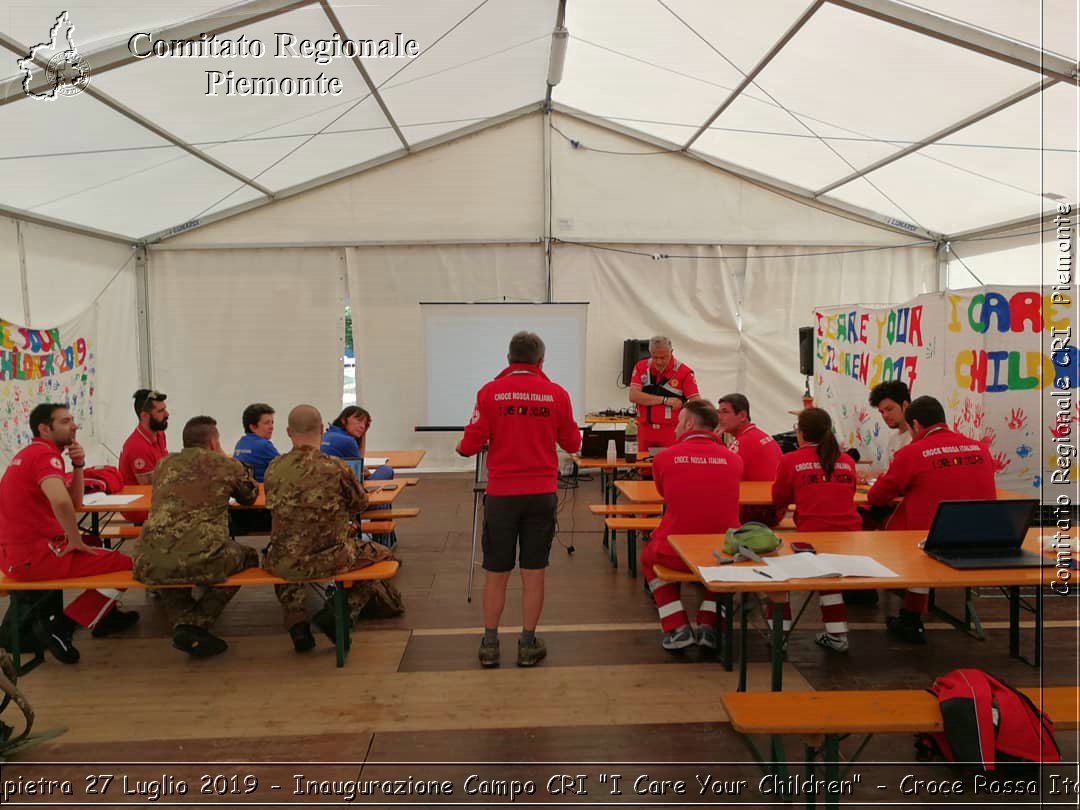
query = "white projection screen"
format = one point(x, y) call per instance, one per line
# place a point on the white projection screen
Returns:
point(466, 347)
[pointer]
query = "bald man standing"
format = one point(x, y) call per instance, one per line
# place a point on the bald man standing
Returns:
point(313, 498)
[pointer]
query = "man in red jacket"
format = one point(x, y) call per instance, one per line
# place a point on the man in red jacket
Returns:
point(758, 450)
point(938, 465)
point(521, 415)
point(660, 387)
point(698, 479)
point(40, 538)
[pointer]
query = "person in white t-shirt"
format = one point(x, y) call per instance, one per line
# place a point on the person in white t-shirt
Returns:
point(891, 400)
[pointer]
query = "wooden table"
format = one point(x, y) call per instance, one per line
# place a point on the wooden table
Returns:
point(399, 459)
point(751, 493)
point(609, 474)
point(897, 550)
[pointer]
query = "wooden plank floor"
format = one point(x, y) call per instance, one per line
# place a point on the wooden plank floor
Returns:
point(412, 691)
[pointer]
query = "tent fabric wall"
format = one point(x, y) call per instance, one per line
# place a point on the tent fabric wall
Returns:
point(784, 285)
point(386, 286)
point(229, 328)
point(67, 274)
point(693, 301)
point(485, 186)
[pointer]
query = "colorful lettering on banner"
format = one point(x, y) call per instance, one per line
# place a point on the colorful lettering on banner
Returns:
point(43, 365)
point(994, 356)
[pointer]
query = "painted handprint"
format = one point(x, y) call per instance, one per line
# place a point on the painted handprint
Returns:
point(1001, 461)
point(1017, 419)
point(980, 414)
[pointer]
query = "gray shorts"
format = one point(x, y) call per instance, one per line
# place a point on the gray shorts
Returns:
point(513, 521)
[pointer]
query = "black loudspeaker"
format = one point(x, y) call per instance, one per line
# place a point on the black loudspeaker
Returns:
point(632, 352)
point(806, 350)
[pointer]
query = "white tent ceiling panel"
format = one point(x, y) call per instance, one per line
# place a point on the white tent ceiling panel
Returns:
point(1047, 24)
point(11, 302)
point(1030, 146)
point(154, 198)
point(173, 92)
point(64, 150)
point(418, 20)
point(603, 197)
point(484, 186)
point(454, 99)
point(871, 77)
point(635, 62)
point(940, 197)
point(755, 133)
point(280, 160)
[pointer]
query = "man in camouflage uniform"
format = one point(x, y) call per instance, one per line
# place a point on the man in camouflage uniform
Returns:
point(186, 538)
point(313, 498)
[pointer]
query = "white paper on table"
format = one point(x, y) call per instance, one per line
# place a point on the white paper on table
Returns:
point(855, 565)
point(802, 566)
point(376, 461)
point(603, 427)
point(737, 573)
point(101, 499)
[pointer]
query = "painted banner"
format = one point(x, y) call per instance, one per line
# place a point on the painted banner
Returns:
point(991, 355)
point(45, 365)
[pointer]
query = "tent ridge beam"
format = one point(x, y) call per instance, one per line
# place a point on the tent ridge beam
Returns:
point(975, 117)
point(164, 134)
point(966, 36)
point(118, 55)
point(344, 173)
point(335, 22)
point(748, 78)
point(772, 184)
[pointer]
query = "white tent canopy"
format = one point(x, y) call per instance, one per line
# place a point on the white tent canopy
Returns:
point(709, 170)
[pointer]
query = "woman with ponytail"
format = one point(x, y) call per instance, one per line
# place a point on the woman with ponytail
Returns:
point(819, 479)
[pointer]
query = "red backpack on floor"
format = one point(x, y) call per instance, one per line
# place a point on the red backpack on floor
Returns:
point(988, 722)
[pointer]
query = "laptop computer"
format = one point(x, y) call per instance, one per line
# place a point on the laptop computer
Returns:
point(594, 443)
point(983, 534)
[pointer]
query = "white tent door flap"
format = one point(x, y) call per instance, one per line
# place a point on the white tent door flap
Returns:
point(466, 346)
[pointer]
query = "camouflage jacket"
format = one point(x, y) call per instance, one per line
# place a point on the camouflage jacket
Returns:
point(312, 498)
point(186, 537)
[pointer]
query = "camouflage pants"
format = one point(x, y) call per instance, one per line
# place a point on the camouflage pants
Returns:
point(349, 556)
point(183, 608)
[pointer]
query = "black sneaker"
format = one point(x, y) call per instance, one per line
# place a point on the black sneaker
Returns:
point(56, 638)
point(115, 621)
point(907, 627)
point(302, 640)
point(326, 622)
point(197, 642)
point(489, 653)
point(532, 652)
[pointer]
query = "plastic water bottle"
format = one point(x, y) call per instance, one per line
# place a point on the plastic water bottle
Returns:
point(631, 441)
point(612, 456)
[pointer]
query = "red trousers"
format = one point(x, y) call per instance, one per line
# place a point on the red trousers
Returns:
point(86, 609)
point(666, 594)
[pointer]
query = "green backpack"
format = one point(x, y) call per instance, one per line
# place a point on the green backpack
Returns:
point(757, 537)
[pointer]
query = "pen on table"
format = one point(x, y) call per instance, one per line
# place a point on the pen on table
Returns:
point(762, 573)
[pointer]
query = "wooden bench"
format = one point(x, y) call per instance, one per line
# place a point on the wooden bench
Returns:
point(838, 714)
point(626, 509)
point(121, 532)
point(409, 482)
point(124, 580)
point(399, 513)
point(630, 525)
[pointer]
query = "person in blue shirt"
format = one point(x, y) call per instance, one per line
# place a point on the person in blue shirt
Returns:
point(346, 438)
point(255, 451)
point(255, 448)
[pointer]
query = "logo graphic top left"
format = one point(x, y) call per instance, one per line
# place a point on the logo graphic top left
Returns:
point(66, 71)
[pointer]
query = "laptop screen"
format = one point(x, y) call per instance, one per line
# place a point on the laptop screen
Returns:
point(357, 465)
point(972, 526)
